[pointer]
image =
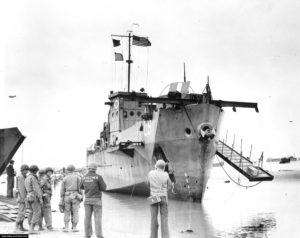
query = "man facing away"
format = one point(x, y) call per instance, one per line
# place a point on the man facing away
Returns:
point(93, 184)
point(159, 182)
point(71, 195)
point(47, 194)
point(21, 196)
point(10, 179)
point(34, 197)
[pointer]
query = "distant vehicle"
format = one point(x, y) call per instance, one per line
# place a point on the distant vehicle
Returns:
point(285, 160)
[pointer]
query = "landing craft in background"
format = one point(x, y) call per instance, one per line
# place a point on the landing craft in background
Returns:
point(10, 141)
point(180, 127)
point(12, 96)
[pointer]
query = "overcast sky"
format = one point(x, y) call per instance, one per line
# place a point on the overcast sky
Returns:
point(57, 58)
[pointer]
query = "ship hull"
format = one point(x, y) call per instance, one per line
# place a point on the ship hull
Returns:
point(173, 135)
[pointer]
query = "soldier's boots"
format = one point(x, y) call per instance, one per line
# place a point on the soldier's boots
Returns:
point(74, 229)
point(41, 227)
point(31, 229)
point(50, 228)
point(17, 226)
point(66, 228)
point(22, 227)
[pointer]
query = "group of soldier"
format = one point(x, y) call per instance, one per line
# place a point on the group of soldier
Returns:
point(34, 192)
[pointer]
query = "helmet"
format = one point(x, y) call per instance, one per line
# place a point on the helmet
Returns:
point(160, 164)
point(41, 171)
point(92, 166)
point(71, 168)
point(48, 169)
point(24, 167)
point(33, 168)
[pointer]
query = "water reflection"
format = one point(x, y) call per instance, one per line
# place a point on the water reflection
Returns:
point(268, 210)
point(186, 219)
point(260, 225)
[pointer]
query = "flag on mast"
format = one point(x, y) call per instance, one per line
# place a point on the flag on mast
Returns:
point(140, 41)
point(116, 42)
point(118, 57)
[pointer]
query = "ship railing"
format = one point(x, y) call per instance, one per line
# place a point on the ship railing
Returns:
point(242, 148)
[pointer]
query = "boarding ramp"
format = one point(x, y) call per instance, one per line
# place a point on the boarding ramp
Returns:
point(242, 164)
point(10, 141)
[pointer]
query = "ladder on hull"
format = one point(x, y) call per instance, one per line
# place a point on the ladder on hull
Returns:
point(242, 164)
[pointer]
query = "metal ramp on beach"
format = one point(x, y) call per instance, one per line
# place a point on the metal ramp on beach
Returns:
point(242, 164)
point(10, 141)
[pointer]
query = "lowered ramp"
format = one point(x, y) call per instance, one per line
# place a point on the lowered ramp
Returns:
point(10, 141)
point(242, 164)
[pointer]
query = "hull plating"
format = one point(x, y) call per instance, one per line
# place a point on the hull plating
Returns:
point(173, 135)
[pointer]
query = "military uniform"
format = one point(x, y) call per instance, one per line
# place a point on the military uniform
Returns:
point(47, 194)
point(71, 195)
point(40, 176)
point(34, 199)
point(93, 184)
point(10, 180)
point(21, 197)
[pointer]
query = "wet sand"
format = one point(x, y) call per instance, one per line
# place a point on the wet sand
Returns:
point(270, 209)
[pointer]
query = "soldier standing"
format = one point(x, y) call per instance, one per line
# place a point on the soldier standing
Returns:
point(93, 184)
point(71, 194)
point(47, 194)
point(34, 197)
point(41, 175)
point(21, 195)
point(10, 179)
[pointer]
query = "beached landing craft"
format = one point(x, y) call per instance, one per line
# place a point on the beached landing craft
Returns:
point(10, 141)
point(180, 127)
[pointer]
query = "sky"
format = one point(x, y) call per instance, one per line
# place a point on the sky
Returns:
point(57, 58)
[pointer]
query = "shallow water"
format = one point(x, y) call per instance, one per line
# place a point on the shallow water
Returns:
point(270, 209)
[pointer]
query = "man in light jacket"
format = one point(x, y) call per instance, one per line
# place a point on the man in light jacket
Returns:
point(159, 183)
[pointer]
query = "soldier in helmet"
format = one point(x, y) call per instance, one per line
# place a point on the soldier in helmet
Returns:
point(47, 194)
point(71, 195)
point(21, 195)
point(11, 173)
point(34, 197)
point(93, 184)
point(41, 175)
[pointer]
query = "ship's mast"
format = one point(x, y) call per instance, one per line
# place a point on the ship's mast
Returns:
point(139, 41)
point(129, 61)
point(184, 77)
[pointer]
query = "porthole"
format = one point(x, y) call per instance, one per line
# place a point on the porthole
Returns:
point(188, 131)
point(112, 115)
point(117, 113)
point(125, 114)
point(138, 113)
point(131, 113)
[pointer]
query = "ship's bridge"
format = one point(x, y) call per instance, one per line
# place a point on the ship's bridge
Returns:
point(125, 111)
